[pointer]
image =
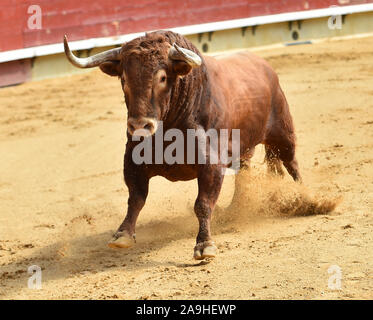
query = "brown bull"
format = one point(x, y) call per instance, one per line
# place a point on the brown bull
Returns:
point(165, 78)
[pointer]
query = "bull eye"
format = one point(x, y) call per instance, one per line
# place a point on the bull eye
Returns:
point(163, 79)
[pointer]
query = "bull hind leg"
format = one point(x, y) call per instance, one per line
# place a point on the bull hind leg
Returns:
point(286, 153)
point(280, 139)
point(240, 178)
point(272, 158)
point(293, 169)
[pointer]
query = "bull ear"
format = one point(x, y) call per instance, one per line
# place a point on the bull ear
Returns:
point(111, 68)
point(183, 59)
point(181, 68)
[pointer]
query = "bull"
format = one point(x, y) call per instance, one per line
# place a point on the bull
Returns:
point(165, 79)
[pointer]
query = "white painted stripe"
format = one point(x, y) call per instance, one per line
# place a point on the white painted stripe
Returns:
point(186, 30)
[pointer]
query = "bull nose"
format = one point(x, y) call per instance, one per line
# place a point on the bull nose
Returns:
point(142, 126)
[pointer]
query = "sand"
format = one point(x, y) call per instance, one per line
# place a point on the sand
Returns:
point(62, 195)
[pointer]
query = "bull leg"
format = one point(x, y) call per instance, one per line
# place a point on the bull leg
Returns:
point(292, 168)
point(138, 185)
point(273, 161)
point(241, 178)
point(210, 180)
point(286, 149)
point(286, 153)
point(281, 137)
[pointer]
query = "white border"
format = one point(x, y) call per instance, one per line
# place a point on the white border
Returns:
point(186, 30)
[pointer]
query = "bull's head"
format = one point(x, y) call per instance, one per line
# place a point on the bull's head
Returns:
point(148, 68)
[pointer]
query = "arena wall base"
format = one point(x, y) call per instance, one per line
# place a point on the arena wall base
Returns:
point(284, 33)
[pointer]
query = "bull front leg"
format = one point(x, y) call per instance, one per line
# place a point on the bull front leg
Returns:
point(210, 180)
point(138, 186)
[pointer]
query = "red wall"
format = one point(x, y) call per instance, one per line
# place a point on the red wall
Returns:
point(83, 19)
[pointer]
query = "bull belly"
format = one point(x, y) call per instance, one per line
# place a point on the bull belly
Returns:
point(175, 172)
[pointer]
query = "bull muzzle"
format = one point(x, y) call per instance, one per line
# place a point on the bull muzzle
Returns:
point(142, 127)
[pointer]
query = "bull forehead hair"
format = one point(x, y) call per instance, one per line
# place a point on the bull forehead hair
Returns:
point(153, 47)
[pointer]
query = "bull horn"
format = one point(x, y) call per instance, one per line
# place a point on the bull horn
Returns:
point(178, 53)
point(93, 61)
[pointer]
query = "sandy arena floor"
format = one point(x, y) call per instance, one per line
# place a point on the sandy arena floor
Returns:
point(62, 194)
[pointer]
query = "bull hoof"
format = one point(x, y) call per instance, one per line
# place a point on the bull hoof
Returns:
point(121, 240)
point(203, 250)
